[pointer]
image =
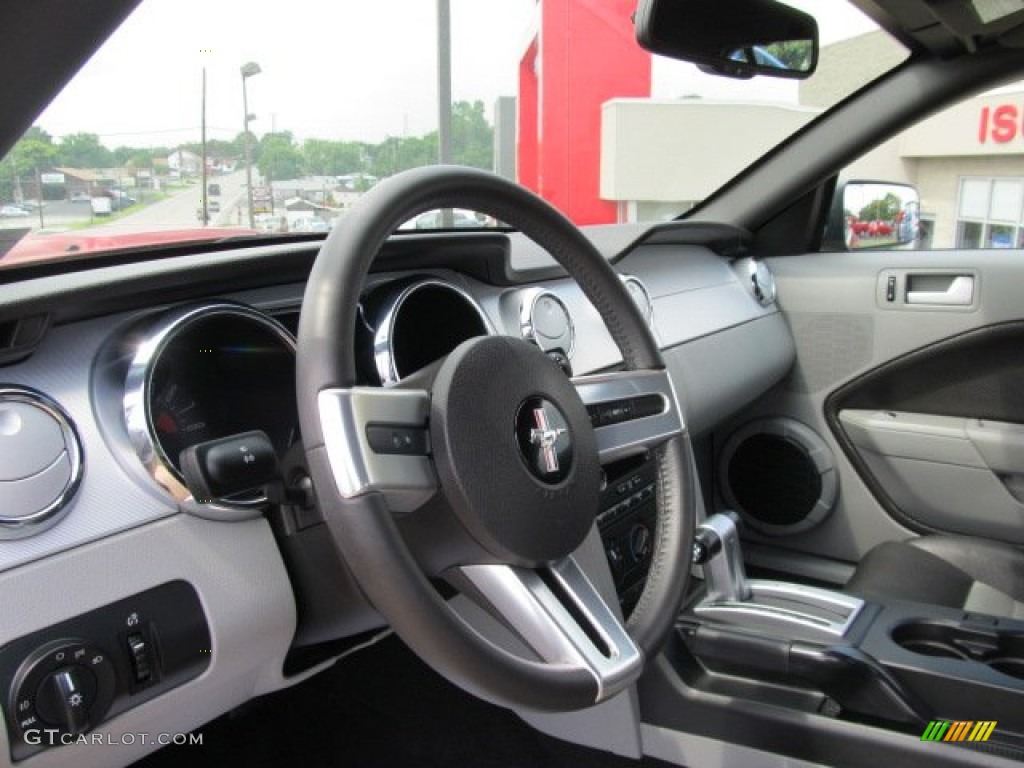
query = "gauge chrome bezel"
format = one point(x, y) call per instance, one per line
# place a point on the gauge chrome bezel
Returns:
point(51, 514)
point(527, 326)
point(383, 336)
point(138, 417)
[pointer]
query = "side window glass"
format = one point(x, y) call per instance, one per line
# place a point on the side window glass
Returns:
point(967, 167)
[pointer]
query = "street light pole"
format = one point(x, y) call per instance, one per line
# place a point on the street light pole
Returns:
point(248, 70)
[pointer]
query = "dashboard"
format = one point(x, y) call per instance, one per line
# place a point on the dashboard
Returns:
point(195, 605)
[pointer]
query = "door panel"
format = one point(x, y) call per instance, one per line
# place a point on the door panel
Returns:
point(943, 472)
point(861, 353)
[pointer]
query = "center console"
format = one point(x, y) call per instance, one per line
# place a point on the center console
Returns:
point(896, 665)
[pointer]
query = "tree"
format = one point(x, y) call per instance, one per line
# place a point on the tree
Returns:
point(332, 158)
point(883, 209)
point(795, 54)
point(279, 158)
point(34, 150)
point(84, 150)
point(472, 136)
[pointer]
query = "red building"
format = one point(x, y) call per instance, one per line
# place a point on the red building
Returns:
point(562, 84)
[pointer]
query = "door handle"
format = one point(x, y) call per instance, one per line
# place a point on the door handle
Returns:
point(959, 292)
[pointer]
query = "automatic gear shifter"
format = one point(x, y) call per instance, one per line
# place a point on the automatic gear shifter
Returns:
point(792, 611)
point(716, 546)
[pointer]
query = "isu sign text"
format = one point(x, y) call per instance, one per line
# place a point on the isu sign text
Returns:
point(1000, 124)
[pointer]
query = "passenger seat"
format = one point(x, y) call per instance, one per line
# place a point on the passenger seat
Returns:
point(974, 574)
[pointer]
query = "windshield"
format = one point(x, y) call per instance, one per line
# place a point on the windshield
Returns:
point(201, 120)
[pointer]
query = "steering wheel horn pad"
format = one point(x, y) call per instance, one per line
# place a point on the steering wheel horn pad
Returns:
point(486, 395)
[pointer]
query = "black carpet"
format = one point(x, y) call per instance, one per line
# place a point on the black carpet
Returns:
point(380, 707)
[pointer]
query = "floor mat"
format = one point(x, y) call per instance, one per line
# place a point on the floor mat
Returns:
point(381, 707)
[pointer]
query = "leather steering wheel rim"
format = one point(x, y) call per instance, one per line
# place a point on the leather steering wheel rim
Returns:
point(363, 525)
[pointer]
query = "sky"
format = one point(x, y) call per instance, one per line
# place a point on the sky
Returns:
point(323, 64)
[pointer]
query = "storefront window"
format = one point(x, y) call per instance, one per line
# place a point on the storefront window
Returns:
point(989, 213)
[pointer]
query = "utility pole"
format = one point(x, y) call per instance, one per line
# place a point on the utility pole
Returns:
point(444, 95)
point(39, 191)
point(202, 122)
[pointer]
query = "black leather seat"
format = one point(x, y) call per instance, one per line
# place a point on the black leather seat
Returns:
point(975, 574)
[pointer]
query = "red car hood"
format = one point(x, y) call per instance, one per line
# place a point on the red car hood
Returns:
point(35, 246)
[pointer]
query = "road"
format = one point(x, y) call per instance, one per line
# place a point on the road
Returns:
point(178, 210)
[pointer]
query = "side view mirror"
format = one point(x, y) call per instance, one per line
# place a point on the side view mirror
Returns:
point(873, 214)
point(733, 38)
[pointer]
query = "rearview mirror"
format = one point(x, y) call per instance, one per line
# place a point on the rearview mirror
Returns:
point(734, 38)
point(874, 214)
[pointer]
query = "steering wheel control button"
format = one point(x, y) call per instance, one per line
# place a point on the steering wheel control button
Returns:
point(219, 468)
point(397, 440)
point(40, 462)
point(545, 442)
point(514, 450)
point(618, 411)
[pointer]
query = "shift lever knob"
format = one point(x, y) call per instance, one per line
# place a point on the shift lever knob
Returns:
point(717, 544)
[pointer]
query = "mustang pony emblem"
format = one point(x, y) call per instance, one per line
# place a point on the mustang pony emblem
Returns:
point(545, 438)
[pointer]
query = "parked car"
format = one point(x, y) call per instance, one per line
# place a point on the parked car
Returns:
point(12, 212)
point(80, 197)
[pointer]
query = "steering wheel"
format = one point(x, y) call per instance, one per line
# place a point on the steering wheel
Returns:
point(494, 465)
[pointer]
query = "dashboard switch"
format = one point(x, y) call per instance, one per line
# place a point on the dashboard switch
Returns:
point(218, 468)
point(138, 652)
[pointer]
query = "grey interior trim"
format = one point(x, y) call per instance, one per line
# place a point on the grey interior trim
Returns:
point(787, 610)
point(985, 599)
point(634, 435)
point(407, 481)
point(756, 354)
point(690, 749)
point(950, 473)
point(552, 630)
point(775, 558)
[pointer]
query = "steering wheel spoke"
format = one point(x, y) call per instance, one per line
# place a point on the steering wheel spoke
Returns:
point(559, 614)
point(377, 441)
point(632, 411)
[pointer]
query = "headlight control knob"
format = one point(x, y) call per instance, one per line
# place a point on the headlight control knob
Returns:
point(67, 685)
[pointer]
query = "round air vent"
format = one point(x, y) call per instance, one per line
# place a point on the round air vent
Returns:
point(779, 475)
point(40, 462)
